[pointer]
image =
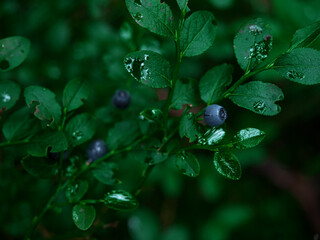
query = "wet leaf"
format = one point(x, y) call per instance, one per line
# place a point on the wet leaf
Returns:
point(188, 127)
point(180, 97)
point(248, 138)
point(188, 164)
point(76, 191)
point(227, 164)
point(212, 136)
point(121, 200)
point(83, 216)
point(105, 173)
point(9, 94)
point(74, 94)
point(303, 37)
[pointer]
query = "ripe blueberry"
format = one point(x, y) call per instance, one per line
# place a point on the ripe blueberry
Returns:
point(214, 115)
point(96, 149)
point(121, 99)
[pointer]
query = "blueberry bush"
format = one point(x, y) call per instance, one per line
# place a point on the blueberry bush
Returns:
point(145, 119)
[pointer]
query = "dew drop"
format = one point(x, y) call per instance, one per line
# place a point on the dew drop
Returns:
point(259, 106)
point(260, 50)
point(77, 135)
point(212, 136)
point(293, 75)
point(137, 2)
point(138, 17)
point(2, 45)
point(5, 97)
point(255, 29)
point(136, 67)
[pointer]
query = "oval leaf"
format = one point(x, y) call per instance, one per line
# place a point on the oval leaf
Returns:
point(40, 167)
point(227, 165)
point(153, 114)
point(80, 129)
point(248, 138)
point(74, 94)
point(9, 94)
point(76, 191)
point(156, 157)
point(105, 172)
point(301, 65)
point(212, 136)
point(189, 127)
point(214, 82)
point(305, 36)
point(154, 15)
point(258, 97)
point(121, 200)
point(180, 97)
point(13, 51)
point(83, 216)
point(45, 104)
point(148, 68)
point(252, 44)
point(198, 33)
point(188, 164)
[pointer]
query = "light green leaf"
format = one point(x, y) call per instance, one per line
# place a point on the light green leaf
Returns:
point(40, 167)
point(301, 65)
point(13, 51)
point(9, 94)
point(76, 191)
point(154, 15)
point(180, 97)
point(212, 136)
point(188, 127)
point(227, 164)
point(121, 200)
point(198, 33)
point(248, 138)
point(188, 164)
point(20, 124)
point(45, 104)
point(148, 68)
point(214, 82)
point(74, 94)
point(80, 129)
point(83, 216)
point(105, 172)
point(252, 44)
point(258, 97)
point(303, 37)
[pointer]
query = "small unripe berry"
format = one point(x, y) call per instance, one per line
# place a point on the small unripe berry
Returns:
point(96, 149)
point(215, 115)
point(121, 99)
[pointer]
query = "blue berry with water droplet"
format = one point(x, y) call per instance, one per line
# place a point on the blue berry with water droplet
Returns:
point(121, 99)
point(96, 149)
point(215, 115)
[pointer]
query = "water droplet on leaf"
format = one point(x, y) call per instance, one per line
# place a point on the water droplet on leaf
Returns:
point(5, 97)
point(77, 135)
point(212, 136)
point(259, 106)
point(255, 29)
point(293, 75)
point(136, 67)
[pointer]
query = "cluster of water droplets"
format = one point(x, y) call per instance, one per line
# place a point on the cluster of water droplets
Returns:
point(246, 138)
point(255, 29)
point(212, 136)
point(259, 106)
point(136, 67)
point(5, 97)
point(294, 75)
point(77, 135)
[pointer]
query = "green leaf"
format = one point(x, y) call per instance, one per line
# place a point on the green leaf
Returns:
point(105, 172)
point(248, 138)
point(252, 44)
point(83, 216)
point(188, 164)
point(9, 94)
point(301, 65)
point(39, 144)
point(148, 68)
point(188, 127)
point(222, 4)
point(74, 94)
point(76, 191)
point(106, 114)
point(198, 33)
point(303, 37)
point(40, 167)
point(227, 164)
point(154, 15)
point(123, 134)
point(183, 5)
point(121, 200)
point(214, 82)
point(212, 136)
point(152, 114)
point(20, 124)
point(13, 51)
point(180, 97)
point(45, 104)
point(258, 97)
point(80, 129)
point(156, 157)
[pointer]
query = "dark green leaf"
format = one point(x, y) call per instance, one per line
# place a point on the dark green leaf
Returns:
point(45, 104)
point(105, 172)
point(227, 165)
point(188, 164)
point(198, 33)
point(39, 144)
point(301, 65)
point(13, 51)
point(105, 114)
point(248, 138)
point(252, 44)
point(303, 37)
point(214, 82)
point(185, 92)
point(258, 97)
point(83, 216)
point(154, 15)
point(148, 68)
point(80, 129)
point(121, 200)
point(122, 134)
point(188, 127)
point(183, 5)
point(153, 115)
point(156, 157)
point(20, 124)
point(9, 94)
point(76, 191)
point(212, 136)
point(222, 4)
point(40, 167)
point(74, 94)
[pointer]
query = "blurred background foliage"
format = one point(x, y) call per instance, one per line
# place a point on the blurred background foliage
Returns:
point(277, 197)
